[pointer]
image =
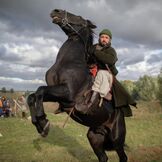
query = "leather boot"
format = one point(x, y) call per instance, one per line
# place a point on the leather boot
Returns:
point(93, 98)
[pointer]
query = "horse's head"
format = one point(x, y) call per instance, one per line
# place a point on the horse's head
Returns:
point(69, 22)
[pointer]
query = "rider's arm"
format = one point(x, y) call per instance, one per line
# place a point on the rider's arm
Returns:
point(107, 56)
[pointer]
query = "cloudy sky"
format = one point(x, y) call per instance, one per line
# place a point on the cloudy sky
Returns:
point(29, 42)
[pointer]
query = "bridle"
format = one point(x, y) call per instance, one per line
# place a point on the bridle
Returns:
point(65, 22)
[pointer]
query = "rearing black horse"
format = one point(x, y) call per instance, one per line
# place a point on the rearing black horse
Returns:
point(67, 81)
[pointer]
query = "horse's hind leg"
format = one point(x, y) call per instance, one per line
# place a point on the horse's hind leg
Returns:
point(97, 140)
point(121, 154)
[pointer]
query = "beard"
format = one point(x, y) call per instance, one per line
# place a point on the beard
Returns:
point(104, 44)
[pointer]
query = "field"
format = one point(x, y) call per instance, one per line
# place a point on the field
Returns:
point(19, 141)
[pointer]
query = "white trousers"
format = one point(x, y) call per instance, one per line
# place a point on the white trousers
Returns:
point(103, 82)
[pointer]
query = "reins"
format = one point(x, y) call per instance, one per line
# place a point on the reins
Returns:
point(65, 22)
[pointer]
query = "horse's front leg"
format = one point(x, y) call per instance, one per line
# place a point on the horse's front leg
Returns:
point(31, 103)
point(43, 94)
point(35, 102)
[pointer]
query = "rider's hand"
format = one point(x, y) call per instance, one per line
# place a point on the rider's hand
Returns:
point(98, 47)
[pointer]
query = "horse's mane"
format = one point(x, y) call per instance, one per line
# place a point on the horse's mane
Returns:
point(90, 27)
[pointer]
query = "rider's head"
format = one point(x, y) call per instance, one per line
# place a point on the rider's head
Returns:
point(105, 37)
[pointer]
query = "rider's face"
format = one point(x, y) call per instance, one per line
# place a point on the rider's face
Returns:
point(104, 39)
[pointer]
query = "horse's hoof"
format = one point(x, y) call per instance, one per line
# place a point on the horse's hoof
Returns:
point(45, 129)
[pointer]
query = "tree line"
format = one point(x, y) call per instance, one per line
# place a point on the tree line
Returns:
point(146, 88)
point(4, 90)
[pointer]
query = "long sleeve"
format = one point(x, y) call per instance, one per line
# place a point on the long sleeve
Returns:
point(106, 56)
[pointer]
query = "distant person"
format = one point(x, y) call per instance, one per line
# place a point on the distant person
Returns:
point(5, 106)
point(1, 107)
point(22, 102)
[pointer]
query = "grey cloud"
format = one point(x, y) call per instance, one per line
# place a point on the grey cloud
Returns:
point(130, 61)
point(155, 58)
point(12, 58)
point(8, 70)
point(5, 56)
point(131, 20)
point(23, 14)
point(44, 62)
point(137, 21)
point(39, 69)
point(130, 56)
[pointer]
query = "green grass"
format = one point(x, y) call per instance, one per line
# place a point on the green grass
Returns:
point(21, 143)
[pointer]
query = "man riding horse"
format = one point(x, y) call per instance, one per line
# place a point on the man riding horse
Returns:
point(105, 84)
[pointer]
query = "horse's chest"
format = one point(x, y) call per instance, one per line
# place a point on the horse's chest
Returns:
point(51, 77)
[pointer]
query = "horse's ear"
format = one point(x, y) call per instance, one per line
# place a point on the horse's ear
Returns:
point(91, 25)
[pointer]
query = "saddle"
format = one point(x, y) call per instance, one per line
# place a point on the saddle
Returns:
point(82, 102)
point(99, 102)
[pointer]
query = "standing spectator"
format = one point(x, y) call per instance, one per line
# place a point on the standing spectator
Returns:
point(1, 107)
point(6, 106)
point(22, 102)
